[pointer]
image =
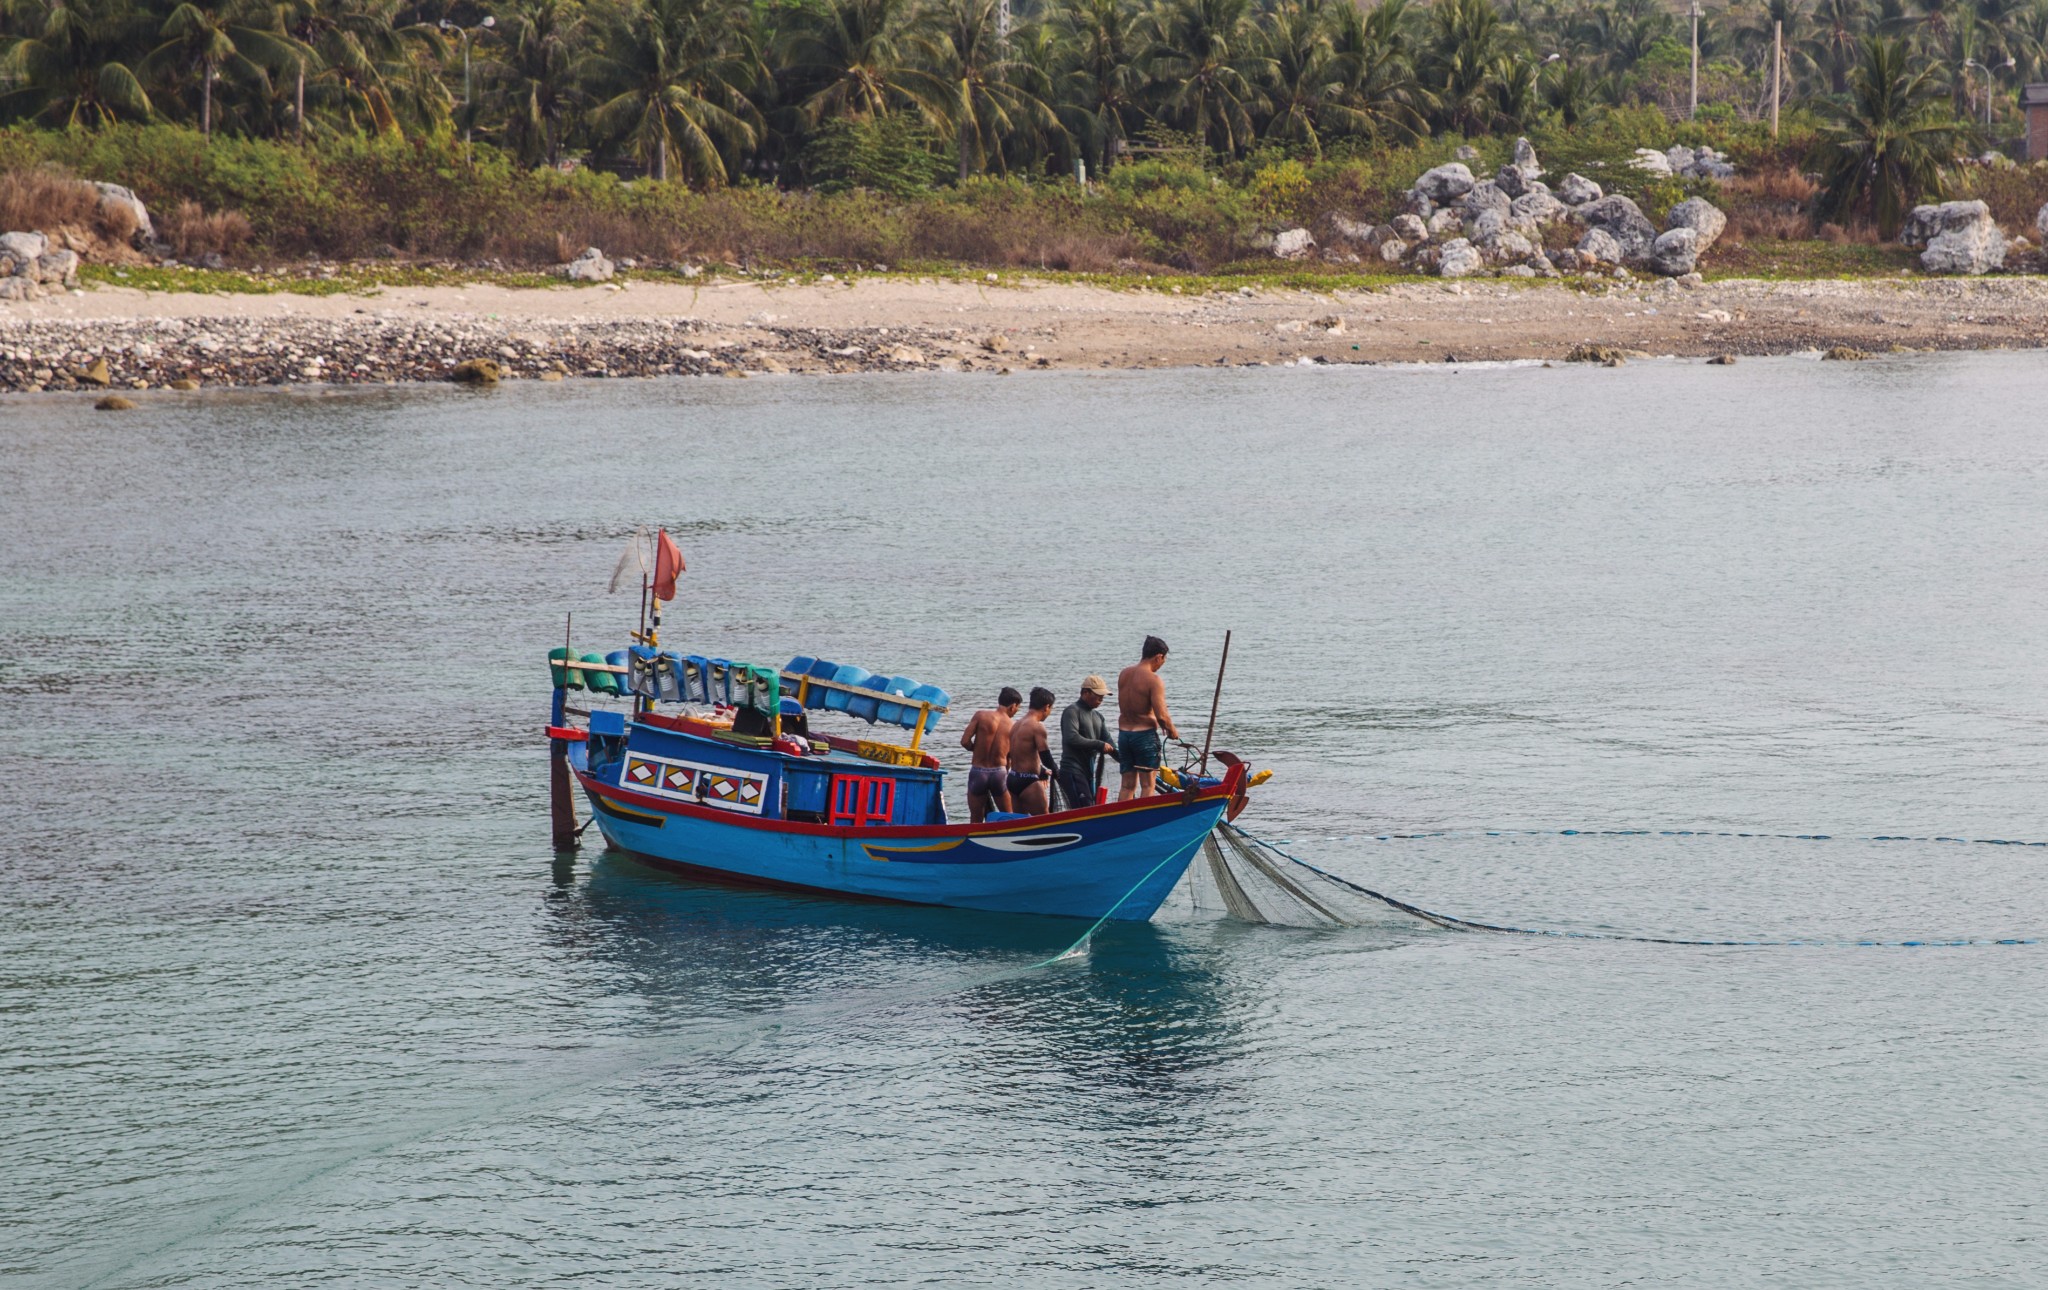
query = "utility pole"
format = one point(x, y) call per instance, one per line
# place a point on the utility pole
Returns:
point(1694, 111)
point(1777, 69)
point(1003, 23)
point(468, 117)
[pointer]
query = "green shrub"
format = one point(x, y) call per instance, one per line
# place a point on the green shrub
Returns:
point(894, 155)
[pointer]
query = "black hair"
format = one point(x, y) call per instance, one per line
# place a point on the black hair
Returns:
point(1153, 645)
point(1008, 697)
point(1040, 697)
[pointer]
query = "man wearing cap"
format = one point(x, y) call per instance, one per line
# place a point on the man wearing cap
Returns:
point(1084, 739)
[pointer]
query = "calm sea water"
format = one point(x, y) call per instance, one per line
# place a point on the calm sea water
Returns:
point(292, 989)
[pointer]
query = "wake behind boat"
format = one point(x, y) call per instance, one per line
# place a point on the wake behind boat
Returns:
point(707, 765)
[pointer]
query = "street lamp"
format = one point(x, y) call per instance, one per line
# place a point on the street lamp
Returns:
point(2005, 66)
point(488, 23)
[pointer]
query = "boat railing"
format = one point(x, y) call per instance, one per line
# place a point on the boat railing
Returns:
point(805, 682)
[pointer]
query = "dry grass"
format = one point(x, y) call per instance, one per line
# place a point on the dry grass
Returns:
point(38, 200)
point(1771, 205)
point(192, 232)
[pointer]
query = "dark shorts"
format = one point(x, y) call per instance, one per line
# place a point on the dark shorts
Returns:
point(987, 781)
point(1137, 750)
point(1018, 783)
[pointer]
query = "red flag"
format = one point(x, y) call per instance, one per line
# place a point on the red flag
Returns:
point(668, 562)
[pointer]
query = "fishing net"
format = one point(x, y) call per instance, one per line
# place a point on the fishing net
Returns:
point(1241, 877)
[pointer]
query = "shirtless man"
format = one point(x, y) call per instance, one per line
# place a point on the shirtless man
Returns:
point(987, 737)
point(1031, 756)
point(1141, 715)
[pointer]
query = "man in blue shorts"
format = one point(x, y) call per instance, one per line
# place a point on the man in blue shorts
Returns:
point(1141, 715)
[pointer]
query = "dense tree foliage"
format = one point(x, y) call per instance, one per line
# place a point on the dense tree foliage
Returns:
point(801, 91)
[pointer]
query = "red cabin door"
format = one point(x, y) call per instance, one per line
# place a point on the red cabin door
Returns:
point(860, 801)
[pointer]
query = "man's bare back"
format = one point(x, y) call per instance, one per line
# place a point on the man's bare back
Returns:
point(987, 741)
point(1030, 757)
point(1140, 714)
point(1141, 699)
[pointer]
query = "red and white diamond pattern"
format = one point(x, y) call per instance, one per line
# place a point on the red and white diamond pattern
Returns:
point(712, 785)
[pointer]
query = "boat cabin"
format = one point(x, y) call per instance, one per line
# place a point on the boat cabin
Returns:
point(747, 747)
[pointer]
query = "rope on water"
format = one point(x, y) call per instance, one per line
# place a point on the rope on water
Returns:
point(1658, 833)
point(1239, 837)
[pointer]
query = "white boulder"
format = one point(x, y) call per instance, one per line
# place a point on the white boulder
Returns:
point(23, 248)
point(1709, 164)
point(1623, 220)
point(1459, 259)
point(1699, 215)
point(1445, 183)
point(1535, 209)
point(1293, 244)
point(1410, 228)
point(1511, 248)
point(1485, 195)
point(1350, 230)
point(1487, 225)
point(591, 266)
point(1599, 247)
point(57, 267)
point(1651, 162)
point(1576, 190)
point(1442, 222)
point(1675, 252)
point(113, 197)
point(1959, 237)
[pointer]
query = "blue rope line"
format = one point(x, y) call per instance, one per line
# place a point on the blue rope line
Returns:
point(1454, 923)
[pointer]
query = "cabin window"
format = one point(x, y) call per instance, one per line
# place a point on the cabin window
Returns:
point(862, 800)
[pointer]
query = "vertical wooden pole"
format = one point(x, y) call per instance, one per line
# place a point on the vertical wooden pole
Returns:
point(1777, 69)
point(561, 798)
point(1214, 700)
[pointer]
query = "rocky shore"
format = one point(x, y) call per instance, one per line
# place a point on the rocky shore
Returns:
point(113, 342)
point(139, 354)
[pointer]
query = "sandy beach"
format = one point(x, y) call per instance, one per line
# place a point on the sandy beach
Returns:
point(887, 323)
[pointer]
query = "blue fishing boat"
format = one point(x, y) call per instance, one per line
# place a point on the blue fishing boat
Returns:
point(708, 766)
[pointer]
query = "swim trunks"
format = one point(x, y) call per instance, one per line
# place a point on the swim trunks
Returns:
point(1020, 782)
point(987, 781)
point(1137, 750)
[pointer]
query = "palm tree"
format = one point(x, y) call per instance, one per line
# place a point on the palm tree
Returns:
point(1467, 44)
point(1834, 42)
point(73, 62)
point(1100, 89)
point(529, 75)
point(1884, 147)
point(678, 80)
point(1306, 86)
point(357, 57)
point(1571, 92)
point(1204, 62)
point(970, 86)
point(213, 39)
point(850, 50)
point(1378, 74)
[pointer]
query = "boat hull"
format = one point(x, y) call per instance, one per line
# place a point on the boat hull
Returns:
point(1114, 861)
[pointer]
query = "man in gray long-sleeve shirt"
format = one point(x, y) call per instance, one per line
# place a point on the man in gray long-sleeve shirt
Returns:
point(1084, 737)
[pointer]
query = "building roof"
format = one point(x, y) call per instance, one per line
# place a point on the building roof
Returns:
point(2035, 95)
